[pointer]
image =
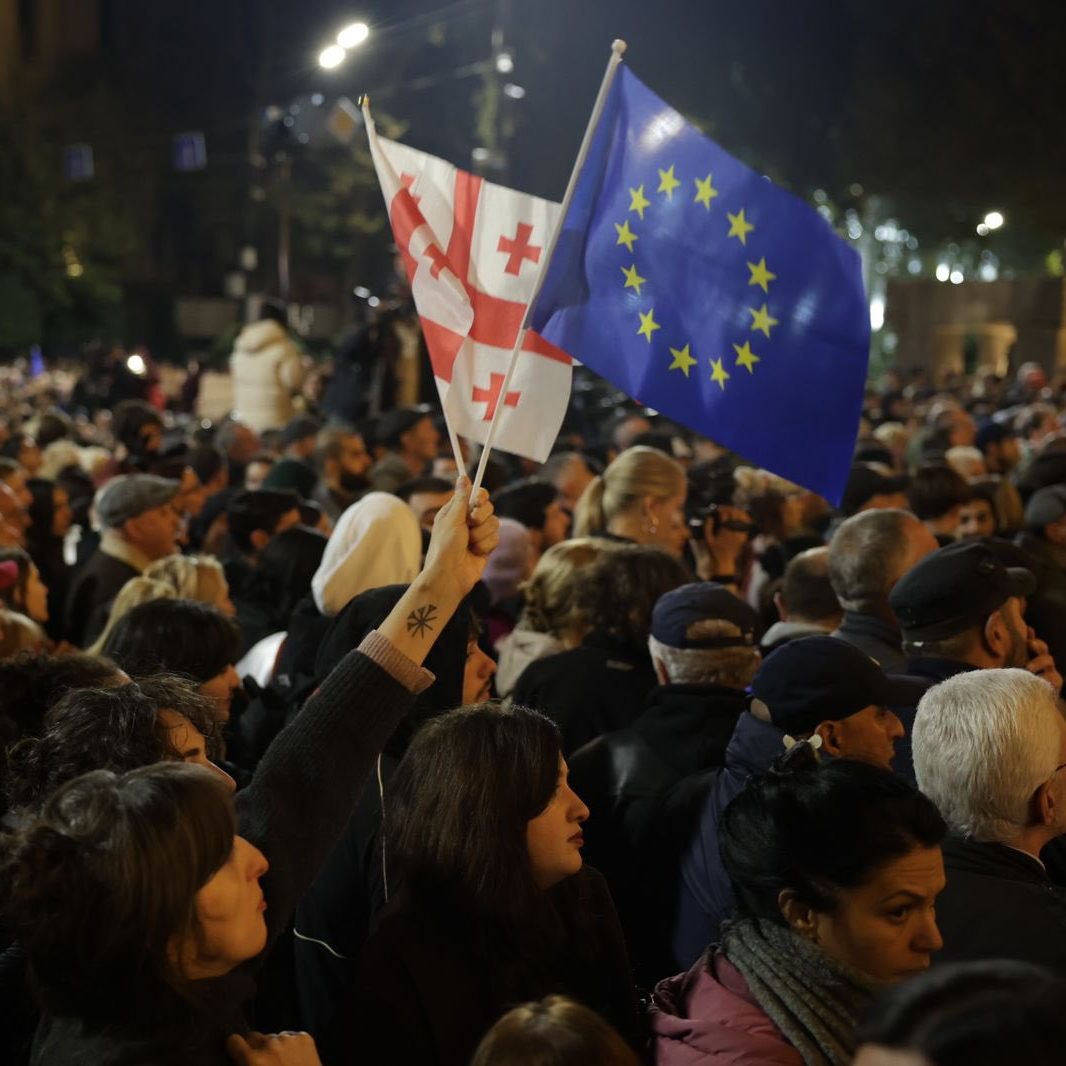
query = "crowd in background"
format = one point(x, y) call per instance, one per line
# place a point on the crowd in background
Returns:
point(646, 755)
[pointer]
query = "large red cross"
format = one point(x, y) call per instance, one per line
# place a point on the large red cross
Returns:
point(519, 249)
point(496, 320)
point(491, 396)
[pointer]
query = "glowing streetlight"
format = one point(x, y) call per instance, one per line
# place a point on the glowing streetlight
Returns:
point(331, 57)
point(994, 219)
point(352, 36)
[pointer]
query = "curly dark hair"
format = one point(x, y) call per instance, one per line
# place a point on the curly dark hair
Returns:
point(103, 878)
point(619, 592)
point(115, 728)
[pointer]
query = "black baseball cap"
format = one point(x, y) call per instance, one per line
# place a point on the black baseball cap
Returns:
point(300, 428)
point(954, 589)
point(865, 482)
point(819, 679)
point(701, 601)
point(394, 424)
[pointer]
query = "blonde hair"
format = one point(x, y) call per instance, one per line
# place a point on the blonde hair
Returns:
point(19, 633)
point(191, 577)
point(136, 591)
point(636, 473)
point(551, 601)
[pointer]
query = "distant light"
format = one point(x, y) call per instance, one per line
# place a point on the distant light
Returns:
point(877, 312)
point(304, 138)
point(361, 291)
point(480, 155)
point(136, 364)
point(295, 109)
point(331, 57)
point(288, 121)
point(988, 272)
point(75, 270)
point(317, 100)
point(373, 301)
point(994, 219)
point(504, 62)
point(820, 196)
point(515, 92)
point(914, 265)
point(854, 230)
point(855, 189)
point(982, 230)
point(352, 36)
point(943, 272)
point(956, 277)
point(826, 212)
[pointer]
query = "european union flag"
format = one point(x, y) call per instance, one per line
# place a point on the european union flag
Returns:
point(703, 290)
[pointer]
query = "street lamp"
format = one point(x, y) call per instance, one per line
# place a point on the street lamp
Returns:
point(993, 220)
point(352, 36)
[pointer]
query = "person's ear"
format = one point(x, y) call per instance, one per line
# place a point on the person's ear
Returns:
point(259, 538)
point(1044, 804)
point(830, 731)
point(779, 604)
point(994, 635)
point(798, 915)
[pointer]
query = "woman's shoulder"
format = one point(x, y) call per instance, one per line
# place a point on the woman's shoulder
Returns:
point(709, 1014)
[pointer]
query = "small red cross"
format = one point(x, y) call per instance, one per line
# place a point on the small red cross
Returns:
point(438, 258)
point(518, 248)
point(491, 396)
point(408, 181)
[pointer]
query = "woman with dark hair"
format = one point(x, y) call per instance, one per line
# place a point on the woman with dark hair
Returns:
point(836, 868)
point(601, 685)
point(150, 864)
point(969, 1014)
point(280, 580)
point(21, 587)
point(554, 1031)
point(490, 904)
point(184, 637)
point(50, 519)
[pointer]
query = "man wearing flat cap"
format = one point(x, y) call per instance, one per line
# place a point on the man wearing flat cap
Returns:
point(815, 688)
point(139, 524)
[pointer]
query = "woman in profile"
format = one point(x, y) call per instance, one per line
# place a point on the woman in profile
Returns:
point(489, 902)
point(836, 869)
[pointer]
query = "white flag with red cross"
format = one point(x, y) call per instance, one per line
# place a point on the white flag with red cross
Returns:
point(472, 251)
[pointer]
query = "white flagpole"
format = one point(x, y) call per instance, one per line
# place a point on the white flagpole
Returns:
point(618, 47)
point(372, 134)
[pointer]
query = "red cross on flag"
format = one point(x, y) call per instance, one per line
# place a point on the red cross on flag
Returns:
point(472, 251)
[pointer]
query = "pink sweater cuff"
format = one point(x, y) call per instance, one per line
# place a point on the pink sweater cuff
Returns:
point(414, 678)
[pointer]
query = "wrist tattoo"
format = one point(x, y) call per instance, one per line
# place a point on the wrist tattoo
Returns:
point(420, 621)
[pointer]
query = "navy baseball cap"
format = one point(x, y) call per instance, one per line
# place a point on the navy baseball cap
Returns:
point(819, 679)
point(702, 601)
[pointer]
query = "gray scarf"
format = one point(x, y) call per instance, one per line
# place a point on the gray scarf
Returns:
point(815, 1001)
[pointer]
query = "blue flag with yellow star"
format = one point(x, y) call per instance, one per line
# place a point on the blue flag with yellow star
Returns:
point(703, 290)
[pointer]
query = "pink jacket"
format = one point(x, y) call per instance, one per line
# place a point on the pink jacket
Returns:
point(709, 1015)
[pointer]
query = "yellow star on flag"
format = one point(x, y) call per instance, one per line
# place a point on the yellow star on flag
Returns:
point(746, 357)
point(633, 279)
point(761, 320)
point(760, 275)
point(648, 325)
point(719, 373)
point(739, 226)
point(638, 201)
point(682, 360)
point(667, 182)
point(705, 191)
point(625, 235)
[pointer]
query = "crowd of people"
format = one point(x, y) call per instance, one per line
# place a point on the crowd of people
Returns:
point(640, 755)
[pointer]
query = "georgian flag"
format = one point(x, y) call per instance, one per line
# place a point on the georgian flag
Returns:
point(472, 250)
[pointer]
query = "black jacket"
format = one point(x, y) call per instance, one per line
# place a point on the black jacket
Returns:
point(302, 793)
point(999, 903)
point(425, 995)
point(97, 584)
point(880, 640)
point(588, 691)
point(624, 778)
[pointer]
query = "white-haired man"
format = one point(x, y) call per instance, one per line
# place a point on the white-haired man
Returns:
point(989, 751)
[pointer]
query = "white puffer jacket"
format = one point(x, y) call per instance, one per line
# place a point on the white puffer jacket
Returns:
point(267, 370)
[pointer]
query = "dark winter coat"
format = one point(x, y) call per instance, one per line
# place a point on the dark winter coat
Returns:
point(425, 997)
point(588, 691)
point(97, 584)
point(624, 778)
